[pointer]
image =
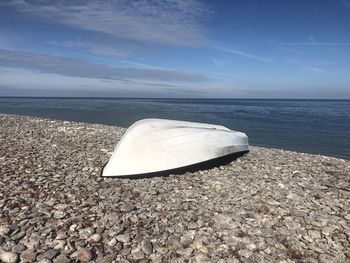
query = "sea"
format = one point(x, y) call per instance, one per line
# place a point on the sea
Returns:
point(310, 126)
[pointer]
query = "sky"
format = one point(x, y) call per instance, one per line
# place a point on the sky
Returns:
point(175, 48)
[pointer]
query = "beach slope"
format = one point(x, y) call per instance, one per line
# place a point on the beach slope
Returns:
point(268, 206)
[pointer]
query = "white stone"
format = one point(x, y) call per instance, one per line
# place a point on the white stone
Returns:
point(8, 257)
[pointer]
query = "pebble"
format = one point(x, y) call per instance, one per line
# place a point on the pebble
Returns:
point(201, 258)
point(146, 246)
point(123, 238)
point(19, 248)
point(84, 255)
point(198, 244)
point(18, 236)
point(59, 214)
point(44, 260)
point(185, 252)
point(28, 255)
point(244, 253)
point(61, 259)
point(317, 249)
point(95, 238)
point(107, 258)
point(137, 255)
point(314, 234)
point(112, 242)
point(85, 233)
point(127, 208)
point(251, 247)
point(4, 230)
point(8, 257)
point(49, 254)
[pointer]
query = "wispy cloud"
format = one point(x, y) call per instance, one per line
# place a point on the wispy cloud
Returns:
point(173, 22)
point(313, 69)
point(77, 68)
point(96, 47)
point(316, 66)
point(317, 43)
point(14, 81)
point(238, 52)
point(140, 65)
point(218, 63)
point(313, 42)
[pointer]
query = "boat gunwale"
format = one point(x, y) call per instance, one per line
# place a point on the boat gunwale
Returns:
point(205, 165)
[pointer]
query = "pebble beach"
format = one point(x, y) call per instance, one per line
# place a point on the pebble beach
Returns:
point(269, 205)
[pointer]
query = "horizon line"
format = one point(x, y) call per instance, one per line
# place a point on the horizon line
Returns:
point(175, 98)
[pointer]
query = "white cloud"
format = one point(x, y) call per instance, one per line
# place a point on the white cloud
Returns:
point(174, 22)
point(21, 82)
point(77, 68)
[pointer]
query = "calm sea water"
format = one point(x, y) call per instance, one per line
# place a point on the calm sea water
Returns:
point(313, 126)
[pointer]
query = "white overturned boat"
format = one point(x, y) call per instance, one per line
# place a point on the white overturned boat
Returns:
point(160, 147)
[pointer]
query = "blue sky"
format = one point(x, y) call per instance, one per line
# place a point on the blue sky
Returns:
point(175, 48)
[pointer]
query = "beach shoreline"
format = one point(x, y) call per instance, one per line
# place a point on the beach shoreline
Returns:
point(269, 205)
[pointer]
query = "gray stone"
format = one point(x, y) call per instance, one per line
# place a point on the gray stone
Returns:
point(95, 238)
point(112, 242)
point(18, 236)
point(146, 246)
point(127, 208)
point(156, 258)
point(2, 240)
point(244, 253)
point(324, 258)
point(201, 258)
point(61, 235)
point(125, 251)
point(123, 238)
point(136, 255)
point(4, 230)
point(314, 234)
point(14, 228)
point(61, 259)
point(317, 249)
point(85, 233)
point(19, 248)
point(59, 214)
point(28, 255)
point(107, 258)
point(49, 254)
point(185, 252)
point(173, 242)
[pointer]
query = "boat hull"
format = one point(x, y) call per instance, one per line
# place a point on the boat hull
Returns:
point(223, 160)
point(152, 147)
